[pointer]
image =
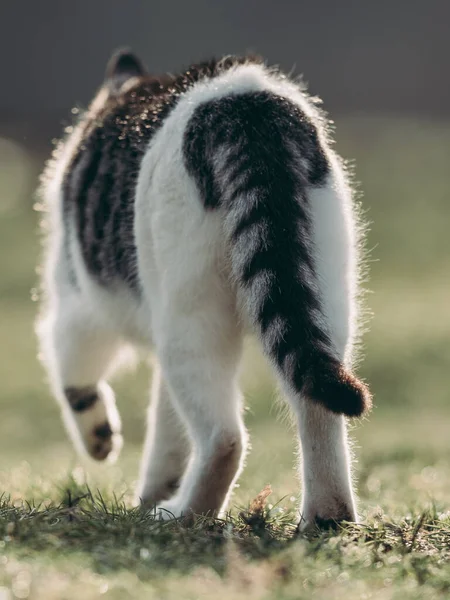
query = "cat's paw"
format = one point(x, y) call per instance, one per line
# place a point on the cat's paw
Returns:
point(328, 517)
point(97, 419)
point(168, 511)
point(151, 495)
point(102, 442)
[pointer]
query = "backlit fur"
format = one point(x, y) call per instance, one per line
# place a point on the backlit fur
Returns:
point(185, 211)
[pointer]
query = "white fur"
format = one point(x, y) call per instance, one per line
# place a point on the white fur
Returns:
point(326, 459)
point(167, 446)
point(189, 314)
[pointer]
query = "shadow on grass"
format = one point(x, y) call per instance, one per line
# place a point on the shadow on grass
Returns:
point(115, 537)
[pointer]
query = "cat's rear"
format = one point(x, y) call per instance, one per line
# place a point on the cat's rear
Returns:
point(186, 208)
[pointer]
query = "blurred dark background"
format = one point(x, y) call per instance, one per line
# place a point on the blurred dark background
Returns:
point(388, 56)
point(382, 71)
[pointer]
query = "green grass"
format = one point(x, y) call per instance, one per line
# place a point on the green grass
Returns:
point(68, 528)
point(253, 553)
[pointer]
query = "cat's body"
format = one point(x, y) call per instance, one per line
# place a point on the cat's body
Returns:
point(185, 211)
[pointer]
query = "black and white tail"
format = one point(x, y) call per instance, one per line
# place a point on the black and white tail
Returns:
point(255, 156)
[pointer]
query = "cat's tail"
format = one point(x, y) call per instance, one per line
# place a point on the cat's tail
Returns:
point(255, 156)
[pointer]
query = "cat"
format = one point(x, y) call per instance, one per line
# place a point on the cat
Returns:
point(185, 212)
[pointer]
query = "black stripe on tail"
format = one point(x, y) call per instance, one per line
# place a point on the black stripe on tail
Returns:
point(254, 156)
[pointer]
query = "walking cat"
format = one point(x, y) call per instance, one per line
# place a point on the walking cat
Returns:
point(184, 212)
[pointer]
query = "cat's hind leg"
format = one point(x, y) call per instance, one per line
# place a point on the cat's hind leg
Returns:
point(199, 352)
point(167, 447)
point(78, 354)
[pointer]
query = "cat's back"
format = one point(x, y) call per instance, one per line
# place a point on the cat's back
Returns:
point(96, 168)
point(99, 183)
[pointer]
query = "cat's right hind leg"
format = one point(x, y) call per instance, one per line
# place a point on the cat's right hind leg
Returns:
point(167, 447)
point(78, 355)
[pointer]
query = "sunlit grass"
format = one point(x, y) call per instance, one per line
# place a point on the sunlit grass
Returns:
point(255, 553)
point(49, 550)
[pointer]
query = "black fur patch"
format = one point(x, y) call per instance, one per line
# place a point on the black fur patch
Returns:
point(99, 186)
point(81, 399)
point(253, 126)
point(103, 431)
point(257, 154)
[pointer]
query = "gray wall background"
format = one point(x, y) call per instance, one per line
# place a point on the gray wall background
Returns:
point(388, 56)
